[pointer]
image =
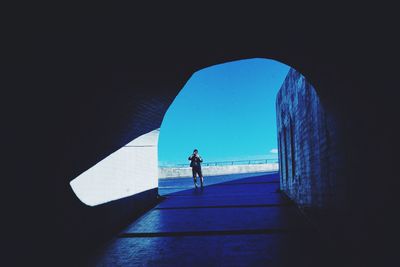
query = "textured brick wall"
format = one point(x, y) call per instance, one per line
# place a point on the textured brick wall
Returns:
point(309, 148)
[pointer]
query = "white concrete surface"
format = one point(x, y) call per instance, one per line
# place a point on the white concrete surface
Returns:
point(128, 171)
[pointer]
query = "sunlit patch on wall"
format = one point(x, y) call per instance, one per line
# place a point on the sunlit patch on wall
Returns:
point(130, 170)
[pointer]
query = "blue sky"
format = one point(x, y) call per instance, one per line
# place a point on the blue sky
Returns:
point(226, 111)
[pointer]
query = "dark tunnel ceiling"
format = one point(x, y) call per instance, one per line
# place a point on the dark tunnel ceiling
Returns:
point(110, 90)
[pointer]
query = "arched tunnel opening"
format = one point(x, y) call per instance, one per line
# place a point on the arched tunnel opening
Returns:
point(227, 111)
point(318, 163)
point(303, 139)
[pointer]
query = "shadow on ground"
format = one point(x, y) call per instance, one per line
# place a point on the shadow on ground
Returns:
point(244, 222)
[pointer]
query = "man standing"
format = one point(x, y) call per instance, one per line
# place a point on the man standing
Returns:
point(195, 161)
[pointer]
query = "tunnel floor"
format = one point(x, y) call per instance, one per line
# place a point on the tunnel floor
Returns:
point(245, 222)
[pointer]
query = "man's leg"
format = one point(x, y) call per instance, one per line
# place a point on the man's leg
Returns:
point(201, 177)
point(194, 177)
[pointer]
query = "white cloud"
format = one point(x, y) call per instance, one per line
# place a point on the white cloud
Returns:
point(274, 151)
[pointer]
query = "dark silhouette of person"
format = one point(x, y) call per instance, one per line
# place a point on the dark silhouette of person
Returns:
point(195, 163)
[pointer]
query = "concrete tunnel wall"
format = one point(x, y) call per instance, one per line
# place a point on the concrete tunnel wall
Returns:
point(86, 96)
point(310, 148)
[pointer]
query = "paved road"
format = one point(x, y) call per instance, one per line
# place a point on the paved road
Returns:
point(245, 222)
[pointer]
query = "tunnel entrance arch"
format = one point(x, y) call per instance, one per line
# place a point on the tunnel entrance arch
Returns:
point(293, 90)
point(178, 168)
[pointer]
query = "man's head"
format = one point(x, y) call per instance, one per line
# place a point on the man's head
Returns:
point(195, 151)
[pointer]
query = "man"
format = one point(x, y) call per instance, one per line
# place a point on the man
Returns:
point(195, 161)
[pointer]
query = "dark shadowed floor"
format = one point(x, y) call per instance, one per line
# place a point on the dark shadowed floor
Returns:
point(244, 222)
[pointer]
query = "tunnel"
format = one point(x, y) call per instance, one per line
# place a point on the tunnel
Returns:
point(89, 97)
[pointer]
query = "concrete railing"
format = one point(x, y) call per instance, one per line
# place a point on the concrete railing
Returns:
point(229, 162)
point(180, 172)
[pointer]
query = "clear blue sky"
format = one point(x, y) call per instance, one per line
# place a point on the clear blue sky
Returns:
point(226, 111)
